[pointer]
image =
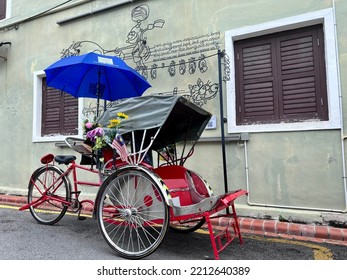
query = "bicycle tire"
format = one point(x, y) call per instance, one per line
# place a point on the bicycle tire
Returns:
point(48, 211)
point(132, 213)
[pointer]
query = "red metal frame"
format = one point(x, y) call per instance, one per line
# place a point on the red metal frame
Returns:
point(72, 169)
point(225, 202)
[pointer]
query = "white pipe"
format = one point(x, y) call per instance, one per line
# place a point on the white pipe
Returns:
point(341, 111)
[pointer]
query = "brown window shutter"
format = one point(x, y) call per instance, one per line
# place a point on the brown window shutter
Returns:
point(2, 9)
point(59, 112)
point(302, 64)
point(281, 77)
point(70, 112)
point(50, 111)
point(254, 75)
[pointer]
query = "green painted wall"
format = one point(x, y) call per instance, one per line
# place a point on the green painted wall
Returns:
point(294, 169)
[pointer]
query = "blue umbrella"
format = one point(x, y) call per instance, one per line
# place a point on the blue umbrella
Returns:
point(96, 76)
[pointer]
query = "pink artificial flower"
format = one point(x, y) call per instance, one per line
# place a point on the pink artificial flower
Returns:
point(89, 125)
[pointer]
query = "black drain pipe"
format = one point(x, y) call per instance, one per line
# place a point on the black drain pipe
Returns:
point(221, 108)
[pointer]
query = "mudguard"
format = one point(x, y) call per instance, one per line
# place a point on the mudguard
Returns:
point(162, 187)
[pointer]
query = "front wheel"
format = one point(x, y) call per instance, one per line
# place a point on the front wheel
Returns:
point(132, 213)
point(48, 191)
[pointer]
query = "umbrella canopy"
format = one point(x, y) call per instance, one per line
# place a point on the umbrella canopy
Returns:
point(96, 76)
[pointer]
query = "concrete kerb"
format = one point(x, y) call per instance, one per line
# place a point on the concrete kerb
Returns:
point(273, 228)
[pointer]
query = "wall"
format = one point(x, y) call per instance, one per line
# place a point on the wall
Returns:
point(283, 169)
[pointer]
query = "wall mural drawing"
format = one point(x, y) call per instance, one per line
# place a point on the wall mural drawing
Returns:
point(186, 56)
point(201, 92)
point(136, 40)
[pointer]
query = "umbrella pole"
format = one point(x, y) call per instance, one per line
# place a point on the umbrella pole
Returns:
point(97, 109)
point(98, 93)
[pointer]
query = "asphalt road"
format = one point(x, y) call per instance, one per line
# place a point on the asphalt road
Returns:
point(22, 238)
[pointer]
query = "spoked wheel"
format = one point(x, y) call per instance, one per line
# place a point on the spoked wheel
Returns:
point(188, 226)
point(49, 189)
point(132, 213)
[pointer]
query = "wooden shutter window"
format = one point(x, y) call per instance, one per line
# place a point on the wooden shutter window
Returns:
point(70, 112)
point(59, 112)
point(281, 77)
point(255, 77)
point(2, 9)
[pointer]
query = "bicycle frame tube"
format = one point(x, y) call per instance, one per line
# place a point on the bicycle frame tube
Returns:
point(73, 167)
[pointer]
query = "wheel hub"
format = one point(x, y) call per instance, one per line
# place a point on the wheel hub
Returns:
point(129, 212)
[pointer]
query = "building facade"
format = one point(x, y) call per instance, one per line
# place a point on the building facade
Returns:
point(270, 71)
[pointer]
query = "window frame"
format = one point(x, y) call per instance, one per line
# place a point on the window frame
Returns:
point(37, 113)
point(325, 17)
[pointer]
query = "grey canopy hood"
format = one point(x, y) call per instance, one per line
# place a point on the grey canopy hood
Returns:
point(179, 119)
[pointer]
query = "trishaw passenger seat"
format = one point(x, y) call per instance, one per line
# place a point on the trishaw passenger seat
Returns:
point(174, 177)
point(197, 187)
point(182, 184)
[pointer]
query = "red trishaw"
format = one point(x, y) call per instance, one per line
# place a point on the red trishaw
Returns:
point(147, 192)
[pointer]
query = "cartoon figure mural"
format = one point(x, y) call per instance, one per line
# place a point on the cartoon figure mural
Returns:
point(140, 51)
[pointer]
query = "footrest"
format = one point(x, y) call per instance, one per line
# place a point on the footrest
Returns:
point(225, 237)
point(210, 204)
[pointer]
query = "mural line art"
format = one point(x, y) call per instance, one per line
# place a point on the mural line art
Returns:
point(201, 92)
point(186, 56)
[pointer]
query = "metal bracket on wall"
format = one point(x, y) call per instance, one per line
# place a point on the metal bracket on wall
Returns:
point(244, 136)
point(5, 43)
point(1, 44)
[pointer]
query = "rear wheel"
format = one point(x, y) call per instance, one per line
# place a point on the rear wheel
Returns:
point(132, 213)
point(48, 189)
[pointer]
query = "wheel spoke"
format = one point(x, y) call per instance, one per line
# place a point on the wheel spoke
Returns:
point(140, 217)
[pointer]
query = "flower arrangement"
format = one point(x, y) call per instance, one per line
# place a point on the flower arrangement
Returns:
point(88, 126)
point(98, 136)
point(114, 125)
point(94, 134)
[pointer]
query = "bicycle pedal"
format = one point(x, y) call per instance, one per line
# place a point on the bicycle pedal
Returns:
point(81, 218)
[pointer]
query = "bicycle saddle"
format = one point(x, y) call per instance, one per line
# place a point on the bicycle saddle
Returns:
point(64, 159)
